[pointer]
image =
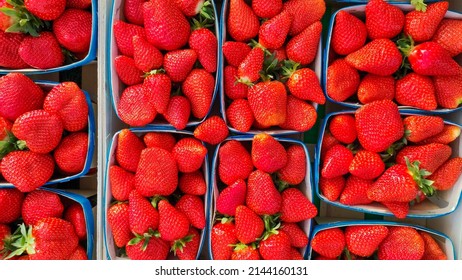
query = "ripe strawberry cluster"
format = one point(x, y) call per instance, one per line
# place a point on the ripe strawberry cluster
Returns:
point(41, 225)
point(42, 131)
point(270, 84)
point(260, 207)
point(378, 155)
point(158, 187)
point(380, 242)
point(44, 34)
point(168, 70)
point(366, 62)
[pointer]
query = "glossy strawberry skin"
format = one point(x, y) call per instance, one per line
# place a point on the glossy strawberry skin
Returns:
point(9, 58)
point(430, 156)
point(305, 13)
point(268, 101)
point(449, 134)
point(234, 163)
point(173, 224)
point(329, 242)
point(231, 197)
point(295, 170)
point(73, 30)
point(304, 47)
point(374, 87)
point(235, 52)
point(71, 154)
point(367, 165)
point(179, 63)
point(199, 87)
point(222, 235)
point(135, 108)
point(205, 43)
point(189, 252)
point(342, 80)
point(273, 33)
point(146, 56)
point(266, 9)
point(349, 33)
point(296, 207)
point(431, 18)
point(402, 243)
point(123, 35)
point(189, 154)
point(156, 249)
point(355, 191)
point(129, 148)
point(249, 226)
point(193, 207)
point(304, 84)
point(336, 162)
point(162, 140)
point(297, 236)
point(447, 90)
point(240, 115)
point(127, 71)
point(10, 205)
point(433, 250)
point(262, 196)
point(398, 209)
point(32, 51)
point(242, 23)
point(343, 128)
point(268, 155)
point(420, 127)
point(447, 34)
point(75, 215)
point(249, 69)
point(301, 116)
point(192, 183)
point(46, 10)
point(178, 112)
point(331, 188)
point(246, 253)
point(212, 131)
point(41, 204)
point(79, 254)
point(276, 247)
point(431, 59)
point(133, 11)
point(447, 174)
point(118, 220)
point(142, 215)
point(383, 20)
point(364, 240)
point(158, 86)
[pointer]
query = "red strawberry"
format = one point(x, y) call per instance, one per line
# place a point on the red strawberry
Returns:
point(173, 224)
point(399, 209)
point(189, 154)
point(158, 87)
point(249, 69)
point(127, 71)
point(192, 183)
point(6, 21)
point(268, 155)
point(141, 214)
point(193, 207)
point(124, 33)
point(383, 20)
point(369, 125)
point(273, 33)
point(41, 204)
point(41, 52)
point(343, 128)
point(433, 250)
point(129, 148)
point(297, 236)
point(71, 154)
point(79, 254)
point(165, 25)
point(135, 108)
point(47, 9)
point(162, 140)
point(295, 255)
point(19, 94)
point(118, 220)
point(151, 248)
point(268, 101)
point(222, 236)
point(262, 196)
point(146, 56)
point(417, 128)
point(243, 252)
point(304, 47)
point(178, 112)
point(447, 90)
point(10, 205)
point(74, 214)
point(9, 57)
point(280, 54)
point(69, 102)
point(234, 163)
point(336, 162)
point(232, 89)
point(199, 88)
point(73, 30)
point(240, 115)
point(179, 63)
point(5, 126)
point(242, 23)
point(349, 33)
point(447, 174)
point(402, 243)
point(373, 87)
point(188, 248)
point(157, 173)
point(430, 156)
point(295, 170)
point(231, 197)
point(276, 247)
point(431, 59)
point(355, 191)
point(395, 185)
point(133, 11)
point(305, 13)
point(329, 242)
point(249, 226)
point(447, 36)
point(449, 134)
point(205, 43)
point(342, 80)
point(266, 9)
point(331, 188)
point(301, 116)
point(235, 52)
point(422, 25)
point(367, 165)
point(304, 84)
point(416, 90)
point(296, 207)
point(363, 241)
point(190, 8)
point(212, 131)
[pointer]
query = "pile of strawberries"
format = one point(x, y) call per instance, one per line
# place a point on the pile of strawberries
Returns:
point(41, 225)
point(382, 242)
point(268, 81)
point(169, 71)
point(260, 207)
point(158, 188)
point(391, 55)
point(44, 34)
point(378, 155)
point(43, 131)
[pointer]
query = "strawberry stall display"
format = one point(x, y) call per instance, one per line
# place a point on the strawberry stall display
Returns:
point(395, 52)
point(271, 65)
point(46, 36)
point(163, 66)
point(155, 195)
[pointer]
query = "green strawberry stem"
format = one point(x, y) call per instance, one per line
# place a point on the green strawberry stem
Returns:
point(24, 21)
point(180, 244)
point(156, 199)
point(347, 254)
point(405, 45)
point(153, 72)
point(353, 147)
point(207, 11)
point(21, 241)
point(10, 144)
point(272, 226)
point(145, 238)
point(242, 246)
point(69, 57)
point(419, 5)
point(419, 176)
point(393, 150)
point(288, 68)
point(223, 218)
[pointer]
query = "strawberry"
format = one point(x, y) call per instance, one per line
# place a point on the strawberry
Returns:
point(190, 8)
point(273, 33)
point(305, 13)
point(162, 140)
point(127, 71)
point(189, 154)
point(417, 128)
point(151, 248)
point(46, 9)
point(432, 248)
point(447, 36)
point(374, 87)
point(449, 134)
point(447, 90)
point(118, 220)
point(402, 243)
point(205, 43)
point(18, 95)
point(249, 69)
point(367, 165)
point(9, 57)
point(295, 255)
point(158, 87)
point(73, 30)
point(192, 183)
point(75, 215)
point(41, 204)
point(379, 57)
point(430, 59)
point(69, 102)
point(232, 89)
point(240, 115)
point(243, 252)
point(430, 156)
point(41, 52)
point(343, 128)
point(71, 154)
point(422, 25)
point(447, 174)
point(268, 155)
point(342, 80)
point(124, 33)
point(276, 247)
point(212, 131)
point(188, 247)
point(222, 236)
point(193, 207)
point(173, 224)
point(303, 47)
point(249, 226)
point(235, 52)
point(301, 116)
point(304, 84)
point(133, 11)
point(231, 197)
point(79, 254)
point(267, 9)
point(199, 87)
point(142, 215)
point(179, 63)
point(329, 242)
point(10, 205)
point(178, 112)
point(280, 54)
point(363, 241)
point(295, 170)
point(129, 148)
point(297, 236)
point(399, 209)
point(157, 173)
point(5, 126)
point(165, 25)
point(349, 33)
point(296, 207)
point(6, 21)
point(268, 101)
point(355, 191)
point(383, 20)
point(331, 188)
point(336, 162)
point(234, 163)
point(262, 196)
point(135, 108)
point(242, 23)
point(369, 125)
point(146, 56)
